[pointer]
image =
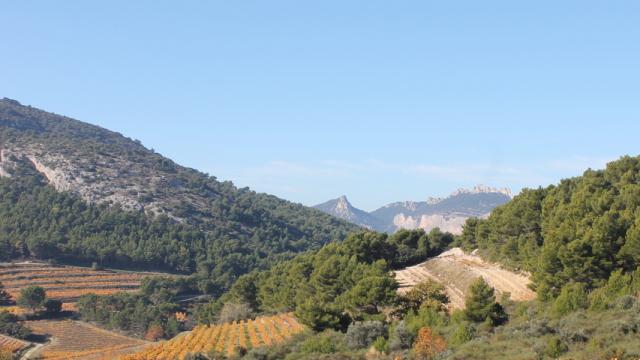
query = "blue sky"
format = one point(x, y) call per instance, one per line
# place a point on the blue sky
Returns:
point(381, 101)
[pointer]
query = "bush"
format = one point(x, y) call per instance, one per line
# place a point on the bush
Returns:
point(572, 297)
point(10, 326)
point(234, 312)
point(381, 344)
point(625, 302)
point(327, 342)
point(362, 334)
point(52, 307)
point(400, 338)
point(463, 333)
point(555, 347)
point(428, 344)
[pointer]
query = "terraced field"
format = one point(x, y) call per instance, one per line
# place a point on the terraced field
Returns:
point(67, 283)
point(77, 340)
point(12, 345)
point(456, 270)
point(225, 338)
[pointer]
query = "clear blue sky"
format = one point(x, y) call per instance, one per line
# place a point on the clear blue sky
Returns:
point(379, 100)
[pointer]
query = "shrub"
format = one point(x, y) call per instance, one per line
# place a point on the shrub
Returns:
point(362, 334)
point(463, 333)
point(400, 338)
point(327, 342)
point(52, 307)
point(625, 302)
point(555, 347)
point(572, 297)
point(428, 344)
point(234, 312)
point(381, 344)
point(426, 291)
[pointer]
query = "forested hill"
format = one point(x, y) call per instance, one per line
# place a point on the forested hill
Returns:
point(117, 202)
point(577, 232)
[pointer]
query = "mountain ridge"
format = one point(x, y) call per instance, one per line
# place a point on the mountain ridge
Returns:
point(74, 191)
point(448, 214)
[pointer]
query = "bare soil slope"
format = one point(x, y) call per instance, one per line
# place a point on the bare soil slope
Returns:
point(456, 270)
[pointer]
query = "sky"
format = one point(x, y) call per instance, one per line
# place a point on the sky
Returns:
point(377, 100)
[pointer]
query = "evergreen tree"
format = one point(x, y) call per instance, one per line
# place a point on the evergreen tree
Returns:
point(481, 305)
point(32, 298)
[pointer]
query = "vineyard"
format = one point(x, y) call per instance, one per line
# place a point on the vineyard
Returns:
point(225, 338)
point(67, 283)
point(12, 345)
point(76, 340)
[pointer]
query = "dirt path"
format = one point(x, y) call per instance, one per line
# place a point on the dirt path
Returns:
point(456, 270)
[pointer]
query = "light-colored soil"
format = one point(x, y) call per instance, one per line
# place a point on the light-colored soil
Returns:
point(457, 270)
point(77, 340)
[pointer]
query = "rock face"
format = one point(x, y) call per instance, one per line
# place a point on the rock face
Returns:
point(105, 167)
point(342, 208)
point(448, 214)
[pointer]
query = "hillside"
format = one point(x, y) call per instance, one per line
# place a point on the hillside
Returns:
point(579, 231)
point(77, 192)
point(457, 271)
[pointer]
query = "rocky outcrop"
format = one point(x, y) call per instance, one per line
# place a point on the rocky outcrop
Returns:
point(342, 208)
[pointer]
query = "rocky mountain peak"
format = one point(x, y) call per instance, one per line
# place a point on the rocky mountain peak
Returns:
point(483, 189)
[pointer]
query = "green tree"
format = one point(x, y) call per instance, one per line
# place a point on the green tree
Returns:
point(32, 298)
point(481, 304)
point(572, 297)
point(52, 307)
point(425, 291)
point(372, 292)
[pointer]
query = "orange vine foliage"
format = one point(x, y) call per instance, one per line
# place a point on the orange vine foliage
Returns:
point(225, 338)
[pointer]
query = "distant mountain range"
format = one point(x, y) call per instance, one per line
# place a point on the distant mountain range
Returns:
point(448, 214)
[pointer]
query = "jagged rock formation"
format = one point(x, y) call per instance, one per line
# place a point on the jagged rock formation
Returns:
point(342, 208)
point(448, 214)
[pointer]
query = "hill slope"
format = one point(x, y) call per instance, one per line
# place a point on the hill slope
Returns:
point(457, 271)
point(118, 203)
point(579, 231)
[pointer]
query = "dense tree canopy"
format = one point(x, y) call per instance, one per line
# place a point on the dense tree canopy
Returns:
point(37, 221)
point(341, 282)
point(580, 230)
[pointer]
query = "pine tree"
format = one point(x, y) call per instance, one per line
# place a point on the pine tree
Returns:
point(478, 302)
